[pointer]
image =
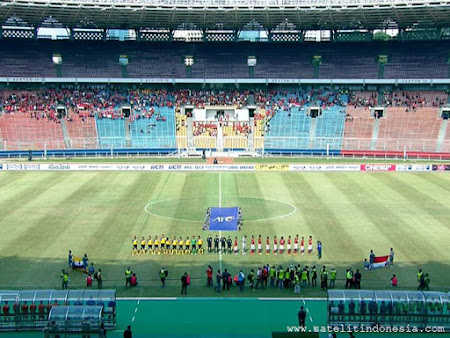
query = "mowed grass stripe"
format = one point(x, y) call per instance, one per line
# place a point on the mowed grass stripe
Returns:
point(27, 190)
point(321, 219)
point(34, 211)
point(145, 225)
point(112, 233)
point(432, 198)
point(10, 181)
point(419, 212)
point(438, 180)
point(250, 186)
point(198, 192)
point(351, 213)
point(387, 218)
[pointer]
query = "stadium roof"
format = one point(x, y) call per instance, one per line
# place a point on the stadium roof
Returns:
point(228, 14)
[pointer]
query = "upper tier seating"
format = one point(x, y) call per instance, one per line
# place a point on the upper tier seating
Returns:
point(100, 59)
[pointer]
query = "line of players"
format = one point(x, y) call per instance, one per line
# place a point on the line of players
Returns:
point(165, 245)
point(194, 245)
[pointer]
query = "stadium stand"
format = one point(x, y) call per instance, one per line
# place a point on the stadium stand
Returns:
point(224, 60)
point(282, 121)
point(205, 135)
point(329, 128)
point(181, 129)
point(82, 131)
point(111, 132)
point(359, 124)
point(236, 135)
point(416, 130)
point(156, 131)
point(288, 130)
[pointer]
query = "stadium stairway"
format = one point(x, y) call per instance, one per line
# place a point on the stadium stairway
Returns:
point(312, 133)
point(67, 142)
point(190, 134)
point(250, 144)
point(441, 137)
point(127, 132)
point(376, 129)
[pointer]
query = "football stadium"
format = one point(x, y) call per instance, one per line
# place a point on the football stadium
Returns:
point(205, 168)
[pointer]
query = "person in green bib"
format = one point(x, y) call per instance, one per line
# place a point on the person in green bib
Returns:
point(304, 278)
point(272, 273)
point(296, 284)
point(280, 277)
point(128, 277)
point(332, 278)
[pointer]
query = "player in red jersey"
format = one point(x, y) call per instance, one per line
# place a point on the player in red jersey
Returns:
point(252, 246)
point(235, 246)
point(275, 245)
point(289, 247)
point(281, 245)
point(267, 245)
point(259, 245)
point(296, 245)
point(310, 245)
point(302, 245)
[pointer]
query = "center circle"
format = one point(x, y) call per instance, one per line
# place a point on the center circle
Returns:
point(193, 209)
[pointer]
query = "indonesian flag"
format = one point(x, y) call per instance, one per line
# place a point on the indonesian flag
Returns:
point(380, 262)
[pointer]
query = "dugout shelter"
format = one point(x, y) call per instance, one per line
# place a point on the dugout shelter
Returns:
point(388, 308)
point(30, 309)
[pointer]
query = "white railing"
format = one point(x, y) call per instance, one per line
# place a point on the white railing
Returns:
point(232, 143)
point(275, 4)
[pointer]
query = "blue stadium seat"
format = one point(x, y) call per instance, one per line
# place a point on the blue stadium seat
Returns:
point(150, 133)
point(111, 133)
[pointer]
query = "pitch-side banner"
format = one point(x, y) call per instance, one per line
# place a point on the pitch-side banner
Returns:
point(221, 167)
point(377, 167)
point(128, 167)
point(413, 167)
point(327, 167)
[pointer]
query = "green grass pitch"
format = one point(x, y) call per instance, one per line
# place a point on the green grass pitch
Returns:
point(44, 214)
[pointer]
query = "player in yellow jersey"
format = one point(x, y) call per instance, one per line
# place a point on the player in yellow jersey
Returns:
point(157, 250)
point(135, 244)
point(200, 245)
point(163, 244)
point(180, 246)
point(168, 242)
point(174, 246)
point(150, 245)
point(187, 244)
point(143, 244)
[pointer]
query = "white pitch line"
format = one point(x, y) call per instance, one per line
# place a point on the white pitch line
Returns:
point(220, 231)
point(132, 319)
point(310, 318)
point(220, 190)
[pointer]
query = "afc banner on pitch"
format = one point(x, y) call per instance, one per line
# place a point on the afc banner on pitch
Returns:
point(223, 219)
